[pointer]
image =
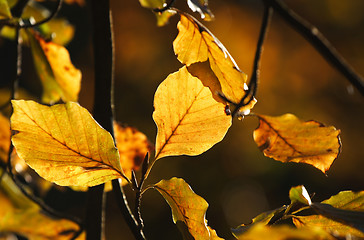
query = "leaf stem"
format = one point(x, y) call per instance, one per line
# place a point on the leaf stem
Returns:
point(319, 41)
point(254, 80)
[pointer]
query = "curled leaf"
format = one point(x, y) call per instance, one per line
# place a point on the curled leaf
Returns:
point(342, 214)
point(60, 79)
point(195, 43)
point(300, 194)
point(64, 144)
point(188, 118)
point(288, 139)
point(188, 208)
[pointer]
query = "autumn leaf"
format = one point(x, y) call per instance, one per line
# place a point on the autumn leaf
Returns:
point(201, 6)
point(261, 231)
point(4, 138)
point(4, 9)
point(288, 139)
point(60, 79)
point(263, 218)
point(133, 145)
point(64, 144)
point(188, 209)
point(342, 214)
point(20, 215)
point(299, 194)
point(195, 43)
point(188, 118)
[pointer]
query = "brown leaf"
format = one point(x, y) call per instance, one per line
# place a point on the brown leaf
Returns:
point(288, 139)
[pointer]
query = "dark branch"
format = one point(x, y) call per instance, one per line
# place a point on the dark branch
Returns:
point(22, 24)
point(164, 8)
point(254, 80)
point(318, 40)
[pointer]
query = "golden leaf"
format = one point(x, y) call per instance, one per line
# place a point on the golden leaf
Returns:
point(64, 144)
point(288, 139)
point(188, 208)
point(20, 215)
point(60, 79)
point(188, 118)
point(261, 231)
point(4, 9)
point(132, 145)
point(195, 43)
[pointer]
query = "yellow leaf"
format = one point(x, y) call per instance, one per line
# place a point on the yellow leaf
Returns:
point(201, 6)
point(195, 43)
point(188, 208)
point(261, 231)
point(188, 118)
point(288, 139)
point(132, 145)
point(64, 144)
point(20, 215)
point(4, 138)
point(4, 9)
point(60, 79)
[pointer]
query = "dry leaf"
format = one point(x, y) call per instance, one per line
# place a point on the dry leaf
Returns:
point(195, 43)
point(64, 144)
point(60, 79)
point(188, 208)
point(288, 139)
point(188, 118)
point(133, 146)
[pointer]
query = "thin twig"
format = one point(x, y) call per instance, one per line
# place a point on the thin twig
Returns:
point(318, 40)
point(165, 7)
point(22, 24)
point(254, 80)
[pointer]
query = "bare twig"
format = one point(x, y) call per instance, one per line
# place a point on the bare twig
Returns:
point(318, 40)
point(254, 80)
point(165, 7)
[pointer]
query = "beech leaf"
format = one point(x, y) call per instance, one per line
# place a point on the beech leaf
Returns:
point(201, 6)
point(64, 144)
point(188, 118)
point(288, 139)
point(162, 17)
point(261, 231)
point(188, 208)
point(20, 215)
point(195, 43)
point(60, 79)
point(342, 214)
point(300, 194)
point(133, 145)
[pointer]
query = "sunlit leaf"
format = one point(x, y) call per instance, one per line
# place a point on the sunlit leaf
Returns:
point(195, 43)
point(188, 118)
point(288, 139)
point(59, 30)
point(4, 137)
point(64, 144)
point(162, 17)
point(342, 214)
point(201, 6)
point(60, 79)
point(299, 194)
point(4, 9)
point(261, 231)
point(263, 218)
point(20, 215)
point(188, 208)
point(132, 145)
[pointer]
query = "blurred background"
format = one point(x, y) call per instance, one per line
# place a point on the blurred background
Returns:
point(234, 177)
